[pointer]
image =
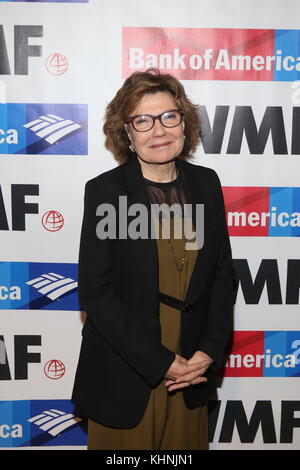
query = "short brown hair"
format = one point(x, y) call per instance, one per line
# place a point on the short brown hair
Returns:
point(128, 97)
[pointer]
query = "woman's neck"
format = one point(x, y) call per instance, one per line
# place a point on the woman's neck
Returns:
point(159, 172)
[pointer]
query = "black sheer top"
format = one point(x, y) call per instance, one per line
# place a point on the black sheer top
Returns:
point(169, 193)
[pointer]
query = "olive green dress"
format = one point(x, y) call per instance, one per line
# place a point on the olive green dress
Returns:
point(167, 423)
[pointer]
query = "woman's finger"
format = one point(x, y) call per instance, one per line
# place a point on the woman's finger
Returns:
point(195, 381)
point(191, 376)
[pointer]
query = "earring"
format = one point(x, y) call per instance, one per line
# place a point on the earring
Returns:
point(131, 147)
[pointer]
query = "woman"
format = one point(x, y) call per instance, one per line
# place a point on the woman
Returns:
point(159, 307)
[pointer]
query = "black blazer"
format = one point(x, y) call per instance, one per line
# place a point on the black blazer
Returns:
point(121, 357)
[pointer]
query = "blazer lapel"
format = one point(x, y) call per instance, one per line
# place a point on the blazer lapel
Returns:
point(195, 194)
point(136, 190)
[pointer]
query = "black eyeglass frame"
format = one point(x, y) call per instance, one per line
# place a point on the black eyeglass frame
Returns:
point(159, 116)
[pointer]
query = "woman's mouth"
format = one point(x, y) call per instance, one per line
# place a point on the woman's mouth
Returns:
point(156, 146)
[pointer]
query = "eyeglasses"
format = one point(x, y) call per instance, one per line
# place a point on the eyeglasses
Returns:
point(145, 122)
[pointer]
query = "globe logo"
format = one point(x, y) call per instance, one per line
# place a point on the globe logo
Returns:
point(57, 64)
point(52, 221)
point(54, 369)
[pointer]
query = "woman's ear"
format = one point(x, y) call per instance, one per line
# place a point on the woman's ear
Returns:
point(127, 131)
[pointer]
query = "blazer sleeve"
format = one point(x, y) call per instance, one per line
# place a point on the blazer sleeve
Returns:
point(219, 322)
point(135, 338)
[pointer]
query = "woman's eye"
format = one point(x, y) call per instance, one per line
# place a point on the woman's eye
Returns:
point(141, 120)
point(170, 116)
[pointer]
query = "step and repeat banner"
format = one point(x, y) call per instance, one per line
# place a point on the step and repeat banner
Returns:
point(61, 62)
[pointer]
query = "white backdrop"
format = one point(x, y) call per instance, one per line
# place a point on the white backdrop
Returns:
point(81, 58)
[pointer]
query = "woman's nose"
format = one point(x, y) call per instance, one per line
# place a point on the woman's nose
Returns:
point(158, 128)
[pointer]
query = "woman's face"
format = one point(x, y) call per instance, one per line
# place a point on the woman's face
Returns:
point(160, 144)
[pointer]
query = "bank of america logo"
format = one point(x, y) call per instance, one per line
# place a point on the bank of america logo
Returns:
point(263, 211)
point(53, 285)
point(54, 421)
point(43, 128)
point(38, 286)
point(51, 127)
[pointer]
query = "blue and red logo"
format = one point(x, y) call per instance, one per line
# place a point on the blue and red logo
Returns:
point(262, 212)
point(264, 354)
point(38, 286)
point(49, 129)
point(40, 423)
point(214, 53)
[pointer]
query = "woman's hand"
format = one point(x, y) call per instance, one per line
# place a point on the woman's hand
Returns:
point(180, 367)
point(191, 371)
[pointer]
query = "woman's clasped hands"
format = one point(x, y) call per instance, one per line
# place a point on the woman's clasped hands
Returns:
point(184, 373)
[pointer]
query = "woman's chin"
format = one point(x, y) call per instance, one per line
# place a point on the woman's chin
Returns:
point(158, 159)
